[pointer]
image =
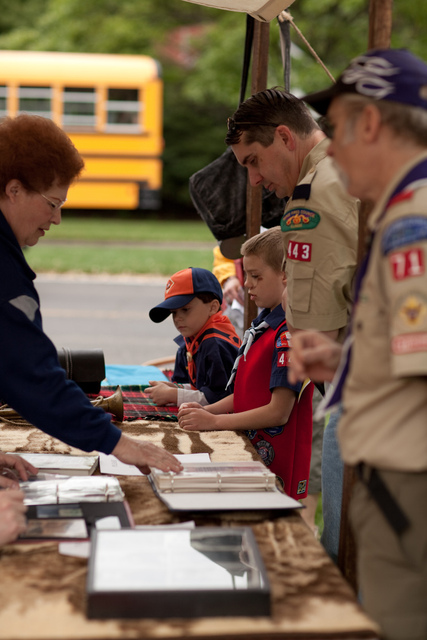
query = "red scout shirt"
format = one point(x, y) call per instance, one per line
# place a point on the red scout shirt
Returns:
point(285, 449)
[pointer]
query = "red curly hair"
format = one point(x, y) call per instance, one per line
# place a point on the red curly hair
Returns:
point(35, 151)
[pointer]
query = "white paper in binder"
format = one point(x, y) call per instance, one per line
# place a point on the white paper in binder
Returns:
point(263, 10)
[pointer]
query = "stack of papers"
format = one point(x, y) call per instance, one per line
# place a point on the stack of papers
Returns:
point(220, 476)
point(62, 463)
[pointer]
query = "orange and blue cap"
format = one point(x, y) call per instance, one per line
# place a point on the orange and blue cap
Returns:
point(182, 287)
point(394, 75)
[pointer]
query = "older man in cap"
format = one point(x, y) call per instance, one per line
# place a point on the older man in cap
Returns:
point(378, 114)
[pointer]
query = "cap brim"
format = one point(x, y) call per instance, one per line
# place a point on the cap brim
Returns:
point(165, 308)
point(320, 100)
point(230, 247)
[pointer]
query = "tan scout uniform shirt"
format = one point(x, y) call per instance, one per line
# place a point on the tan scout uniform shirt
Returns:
point(384, 423)
point(320, 236)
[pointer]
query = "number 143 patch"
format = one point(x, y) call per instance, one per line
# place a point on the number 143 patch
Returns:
point(299, 251)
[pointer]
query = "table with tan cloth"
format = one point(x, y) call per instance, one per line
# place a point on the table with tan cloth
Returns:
point(42, 594)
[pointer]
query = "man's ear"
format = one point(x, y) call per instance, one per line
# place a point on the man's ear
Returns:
point(13, 188)
point(370, 122)
point(214, 307)
point(286, 135)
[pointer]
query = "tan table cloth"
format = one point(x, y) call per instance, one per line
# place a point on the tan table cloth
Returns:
point(42, 594)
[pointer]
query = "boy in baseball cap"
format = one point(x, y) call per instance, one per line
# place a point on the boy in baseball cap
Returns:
point(208, 343)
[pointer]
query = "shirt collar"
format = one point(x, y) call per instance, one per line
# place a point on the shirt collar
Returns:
point(273, 318)
point(378, 210)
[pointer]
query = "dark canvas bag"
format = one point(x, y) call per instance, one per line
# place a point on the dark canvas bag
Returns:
point(218, 191)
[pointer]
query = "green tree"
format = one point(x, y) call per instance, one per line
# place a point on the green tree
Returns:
point(199, 98)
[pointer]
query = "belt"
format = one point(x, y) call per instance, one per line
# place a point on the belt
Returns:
point(382, 496)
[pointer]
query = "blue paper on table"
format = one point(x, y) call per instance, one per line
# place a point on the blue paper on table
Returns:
point(125, 375)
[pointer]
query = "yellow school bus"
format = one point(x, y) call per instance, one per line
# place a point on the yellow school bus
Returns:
point(111, 108)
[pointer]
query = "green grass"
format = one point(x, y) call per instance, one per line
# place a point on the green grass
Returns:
point(128, 230)
point(83, 244)
point(130, 260)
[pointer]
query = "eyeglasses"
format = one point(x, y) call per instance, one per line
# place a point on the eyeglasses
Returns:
point(232, 125)
point(54, 205)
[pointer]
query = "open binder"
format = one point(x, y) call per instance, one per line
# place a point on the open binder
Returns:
point(224, 486)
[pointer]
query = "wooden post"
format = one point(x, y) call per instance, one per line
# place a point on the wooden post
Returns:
point(254, 194)
point(380, 25)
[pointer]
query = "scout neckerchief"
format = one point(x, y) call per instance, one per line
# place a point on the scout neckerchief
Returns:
point(333, 397)
point(248, 338)
point(218, 326)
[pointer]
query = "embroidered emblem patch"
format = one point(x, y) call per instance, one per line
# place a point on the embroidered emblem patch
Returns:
point(266, 451)
point(302, 485)
point(407, 264)
point(282, 359)
point(299, 251)
point(413, 311)
point(403, 232)
point(299, 219)
point(251, 433)
point(274, 431)
point(409, 343)
point(284, 340)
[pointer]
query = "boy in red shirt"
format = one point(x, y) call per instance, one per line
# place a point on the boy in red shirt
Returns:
point(275, 414)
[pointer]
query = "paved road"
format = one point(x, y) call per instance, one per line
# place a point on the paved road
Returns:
point(108, 313)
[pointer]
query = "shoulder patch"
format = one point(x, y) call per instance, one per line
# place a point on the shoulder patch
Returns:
point(27, 305)
point(403, 232)
point(299, 218)
point(302, 192)
point(284, 340)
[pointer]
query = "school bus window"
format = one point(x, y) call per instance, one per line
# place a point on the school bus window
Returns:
point(35, 100)
point(78, 107)
point(3, 101)
point(123, 108)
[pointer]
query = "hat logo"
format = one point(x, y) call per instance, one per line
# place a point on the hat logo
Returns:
point(169, 285)
point(368, 74)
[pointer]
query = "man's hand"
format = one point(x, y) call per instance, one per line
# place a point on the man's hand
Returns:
point(13, 469)
point(314, 355)
point(233, 290)
point(162, 392)
point(12, 515)
point(145, 455)
point(194, 417)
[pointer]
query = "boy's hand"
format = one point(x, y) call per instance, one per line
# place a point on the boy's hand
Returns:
point(196, 419)
point(162, 392)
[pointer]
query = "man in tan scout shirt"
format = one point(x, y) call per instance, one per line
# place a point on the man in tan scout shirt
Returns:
point(274, 136)
point(378, 111)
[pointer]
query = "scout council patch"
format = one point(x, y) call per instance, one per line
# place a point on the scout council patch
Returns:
point(299, 219)
point(284, 340)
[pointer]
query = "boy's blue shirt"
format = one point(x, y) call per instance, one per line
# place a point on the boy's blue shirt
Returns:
point(214, 361)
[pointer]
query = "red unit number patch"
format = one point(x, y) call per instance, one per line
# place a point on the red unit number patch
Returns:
point(407, 264)
point(282, 359)
point(299, 251)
